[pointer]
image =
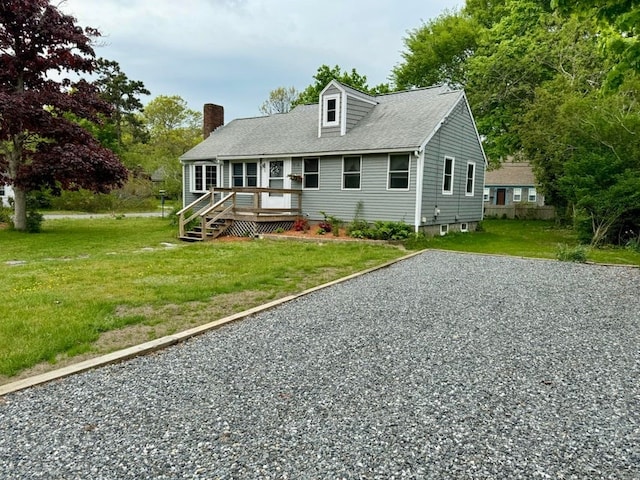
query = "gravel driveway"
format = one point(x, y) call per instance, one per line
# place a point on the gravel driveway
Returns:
point(444, 365)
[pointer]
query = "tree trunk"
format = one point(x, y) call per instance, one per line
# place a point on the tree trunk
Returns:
point(20, 209)
point(20, 195)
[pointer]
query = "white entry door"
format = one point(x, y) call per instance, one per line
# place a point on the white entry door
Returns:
point(275, 175)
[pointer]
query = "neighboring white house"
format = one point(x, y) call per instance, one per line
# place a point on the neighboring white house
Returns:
point(6, 192)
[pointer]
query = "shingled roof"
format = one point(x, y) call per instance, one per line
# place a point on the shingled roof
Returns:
point(510, 174)
point(399, 121)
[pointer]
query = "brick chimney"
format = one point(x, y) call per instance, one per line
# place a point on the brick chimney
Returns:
point(212, 118)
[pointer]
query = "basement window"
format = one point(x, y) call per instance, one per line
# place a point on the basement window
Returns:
point(444, 229)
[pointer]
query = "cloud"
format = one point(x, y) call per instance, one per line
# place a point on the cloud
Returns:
point(239, 50)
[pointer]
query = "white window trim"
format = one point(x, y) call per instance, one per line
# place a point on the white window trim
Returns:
point(325, 102)
point(444, 229)
point(473, 180)
point(313, 173)
point(342, 176)
point(244, 174)
point(192, 182)
point(464, 227)
point(485, 194)
point(517, 192)
point(534, 195)
point(453, 169)
point(389, 174)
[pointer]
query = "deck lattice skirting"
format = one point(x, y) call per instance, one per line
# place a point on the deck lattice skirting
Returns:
point(244, 228)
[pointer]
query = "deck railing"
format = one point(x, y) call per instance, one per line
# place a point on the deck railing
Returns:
point(228, 205)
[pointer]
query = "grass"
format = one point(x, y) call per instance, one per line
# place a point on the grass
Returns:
point(83, 278)
point(85, 287)
point(525, 238)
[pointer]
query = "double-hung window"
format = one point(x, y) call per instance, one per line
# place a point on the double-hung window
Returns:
point(398, 178)
point(485, 195)
point(331, 110)
point(204, 177)
point(244, 174)
point(311, 173)
point(351, 169)
point(471, 170)
point(517, 194)
point(447, 176)
point(533, 195)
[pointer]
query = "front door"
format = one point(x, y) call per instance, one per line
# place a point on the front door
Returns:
point(274, 175)
point(501, 194)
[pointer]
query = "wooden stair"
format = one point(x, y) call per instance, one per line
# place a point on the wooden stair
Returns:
point(212, 230)
point(212, 220)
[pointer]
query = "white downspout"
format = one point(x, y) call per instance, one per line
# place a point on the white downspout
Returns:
point(419, 188)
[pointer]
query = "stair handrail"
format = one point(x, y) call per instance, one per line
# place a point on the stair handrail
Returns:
point(206, 210)
point(219, 216)
point(195, 202)
point(181, 220)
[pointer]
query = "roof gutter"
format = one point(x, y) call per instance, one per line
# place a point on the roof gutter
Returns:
point(331, 153)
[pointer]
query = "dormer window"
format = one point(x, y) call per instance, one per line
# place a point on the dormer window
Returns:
point(331, 109)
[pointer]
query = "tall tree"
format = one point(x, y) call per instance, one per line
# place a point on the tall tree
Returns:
point(173, 128)
point(121, 93)
point(437, 52)
point(41, 144)
point(325, 74)
point(280, 100)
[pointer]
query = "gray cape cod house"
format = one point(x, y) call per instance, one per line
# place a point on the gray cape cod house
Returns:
point(412, 156)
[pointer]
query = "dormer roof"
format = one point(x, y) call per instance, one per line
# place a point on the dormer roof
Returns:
point(341, 107)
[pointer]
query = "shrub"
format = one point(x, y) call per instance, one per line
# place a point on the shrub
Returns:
point(633, 244)
point(301, 225)
point(565, 253)
point(391, 230)
point(34, 221)
point(5, 215)
point(333, 224)
point(324, 226)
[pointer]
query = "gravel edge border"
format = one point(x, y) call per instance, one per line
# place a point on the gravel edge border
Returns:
point(169, 340)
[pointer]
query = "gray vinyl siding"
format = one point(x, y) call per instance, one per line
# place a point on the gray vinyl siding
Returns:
point(379, 203)
point(357, 109)
point(189, 196)
point(456, 138)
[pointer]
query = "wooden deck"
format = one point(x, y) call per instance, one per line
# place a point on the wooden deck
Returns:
point(238, 211)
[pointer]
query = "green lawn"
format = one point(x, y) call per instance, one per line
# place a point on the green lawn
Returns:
point(526, 238)
point(92, 286)
point(85, 277)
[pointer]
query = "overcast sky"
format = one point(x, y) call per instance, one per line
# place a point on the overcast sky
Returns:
point(234, 52)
